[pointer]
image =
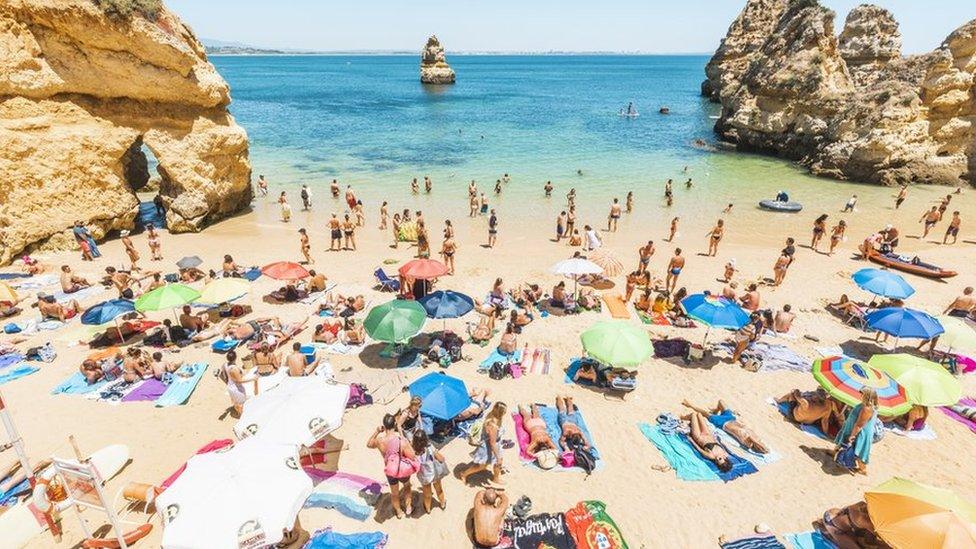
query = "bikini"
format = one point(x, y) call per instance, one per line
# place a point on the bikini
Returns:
point(719, 420)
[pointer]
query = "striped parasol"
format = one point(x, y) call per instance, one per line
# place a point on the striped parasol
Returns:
point(843, 378)
point(611, 265)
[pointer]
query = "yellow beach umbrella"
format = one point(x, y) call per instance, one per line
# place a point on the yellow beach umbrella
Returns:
point(223, 290)
point(958, 335)
point(7, 293)
point(910, 514)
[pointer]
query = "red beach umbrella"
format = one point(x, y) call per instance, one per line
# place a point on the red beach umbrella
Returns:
point(285, 270)
point(423, 269)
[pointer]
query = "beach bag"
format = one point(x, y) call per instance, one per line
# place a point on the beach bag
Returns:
point(11, 328)
point(431, 469)
point(845, 457)
point(753, 363)
point(624, 384)
point(584, 459)
point(358, 396)
point(498, 370)
point(476, 432)
point(398, 466)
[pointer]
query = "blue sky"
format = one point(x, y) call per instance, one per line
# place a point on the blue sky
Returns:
point(652, 26)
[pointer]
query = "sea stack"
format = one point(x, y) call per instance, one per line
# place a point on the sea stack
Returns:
point(433, 64)
point(847, 106)
point(83, 88)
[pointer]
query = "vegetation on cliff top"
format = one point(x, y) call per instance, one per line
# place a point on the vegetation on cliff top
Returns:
point(126, 8)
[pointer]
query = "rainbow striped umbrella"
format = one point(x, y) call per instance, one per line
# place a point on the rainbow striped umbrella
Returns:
point(843, 378)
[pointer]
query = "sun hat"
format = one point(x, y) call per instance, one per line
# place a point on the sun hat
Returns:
point(546, 459)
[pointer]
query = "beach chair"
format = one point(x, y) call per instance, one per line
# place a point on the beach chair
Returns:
point(387, 284)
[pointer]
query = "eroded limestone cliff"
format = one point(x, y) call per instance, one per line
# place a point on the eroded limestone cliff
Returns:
point(433, 64)
point(849, 106)
point(81, 93)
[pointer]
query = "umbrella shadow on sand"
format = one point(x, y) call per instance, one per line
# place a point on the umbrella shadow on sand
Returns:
point(864, 348)
point(372, 356)
point(825, 457)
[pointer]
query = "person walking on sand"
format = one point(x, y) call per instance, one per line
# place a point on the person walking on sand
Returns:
point(715, 236)
point(384, 216)
point(930, 218)
point(644, 254)
point(571, 198)
point(953, 228)
point(89, 250)
point(902, 195)
point(423, 241)
point(448, 249)
point(492, 229)
point(489, 451)
point(592, 239)
point(334, 188)
point(306, 247)
point(560, 225)
point(548, 189)
point(614, 216)
point(155, 247)
point(836, 235)
point(433, 468)
point(285, 207)
point(819, 228)
point(349, 231)
point(780, 268)
point(571, 220)
point(306, 198)
point(395, 225)
point(350, 197)
point(630, 202)
point(675, 266)
point(130, 250)
point(335, 233)
point(400, 463)
point(262, 185)
point(360, 214)
point(729, 271)
point(674, 230)
point(473, 205)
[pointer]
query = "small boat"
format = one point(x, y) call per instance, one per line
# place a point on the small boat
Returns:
point(629, 114)
point(779, 206)
point(910, 265)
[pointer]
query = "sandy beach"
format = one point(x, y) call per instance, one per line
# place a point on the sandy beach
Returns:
point(652, 508)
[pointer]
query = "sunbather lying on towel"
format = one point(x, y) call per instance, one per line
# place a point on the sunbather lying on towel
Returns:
point(724, 418)
point(539, 439)
point(219, 329)
point(568, 419)
point(479, 403)
point(703, 439)
point(913, 420)
point(850, 527)
point(343, 306)
point(815, 408)
point(289, 294)
point(328, 331)
point(526, 295)
point(95, 370)
point(599, 374)
point(485, 327)
point(246, 330)
point(353, 332)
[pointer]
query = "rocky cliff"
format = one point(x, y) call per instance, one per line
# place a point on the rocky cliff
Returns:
point(741, 44)
point(850, 106)
point(81, 94)
point(433, 64)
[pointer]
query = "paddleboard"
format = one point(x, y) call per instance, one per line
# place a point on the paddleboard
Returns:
point(23, 521)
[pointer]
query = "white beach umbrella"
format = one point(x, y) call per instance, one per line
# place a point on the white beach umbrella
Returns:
point(298, 411)
point(575, 267)
point(243, 496)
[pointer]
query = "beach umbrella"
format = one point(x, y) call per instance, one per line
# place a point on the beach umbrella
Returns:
point(166, 297)
point(617, 343)
point(715, 312)
point(843, 378)
point(223, 290)
point(285, 270)
point(576, 267)
point(904, 323)
point(7, 293)
point(958, 334)
point(444, 396)
point(446, 304)
point(927, 383)
point(396, 321)
point(883, 283)
point(189, 262)
point(911, 514)
point(423, 269)
point(108, 311)
point(299, 410)
point(611, 265)
point(244, 496)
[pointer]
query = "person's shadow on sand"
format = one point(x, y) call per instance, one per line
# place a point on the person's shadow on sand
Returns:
point(826, 459)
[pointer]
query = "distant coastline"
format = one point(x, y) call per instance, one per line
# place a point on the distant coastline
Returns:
point(227, 49)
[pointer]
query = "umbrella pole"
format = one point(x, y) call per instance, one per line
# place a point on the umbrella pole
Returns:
point(118, 327)
point(707, 331)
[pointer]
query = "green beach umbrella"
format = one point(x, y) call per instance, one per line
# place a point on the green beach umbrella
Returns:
point(166, 297)
point(396, 321)
point(617, 343)
point(927, 383)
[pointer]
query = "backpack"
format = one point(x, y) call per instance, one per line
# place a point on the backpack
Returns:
point(498, 370)
point(399, 466)
point(584, 459)
point(475, 434)
point(358, 396)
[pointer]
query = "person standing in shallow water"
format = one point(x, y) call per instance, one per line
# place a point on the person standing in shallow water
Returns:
point(614, 216)
point(715, 236)
point(548, 189)
point(492, 229)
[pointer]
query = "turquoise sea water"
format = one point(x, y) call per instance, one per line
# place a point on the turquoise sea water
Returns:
point(367, 121)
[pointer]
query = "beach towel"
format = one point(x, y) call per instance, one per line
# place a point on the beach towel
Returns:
point(657, 319)
point(830, 350)
point(497, 356)
point(740, 467)
point(80, 295)
point(327, 539)
point(755, 457)
point(114, 391)
point(784, 409)
point(616, 306)
point(926, 433)
point(536, 362)
point(76, 384)
point(549, 415)
point(758, 542)
point(185, 380)
point(18, 371)
point(542, 530)
point(224, 345)
point(574, 367)
point(11, 359)
point(252, 274)
point(337, 348)
point(774, 357)
point(679, 453)
point(150, 389)
point(809, 540)
point(959, 417)
point(211, 446)
point(352, 495)
point(12, 276)
point(592, 528)
point(36, 282)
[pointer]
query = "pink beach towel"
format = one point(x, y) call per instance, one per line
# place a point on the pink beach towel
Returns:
point(522, 436)
point(962, 419)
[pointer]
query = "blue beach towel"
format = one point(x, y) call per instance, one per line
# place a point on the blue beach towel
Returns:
point(574, 367)
point(327, 539)
point(181, 387)
point(76, 384)
point(549, 415)
point(11, 359)
point(740, 467)
point(80, 295)
point(11, 373)
point(252, 274)
point(497, 356)
point(809, 540)
point(224, 345)
point(784, 409)
point(680, 455)
point(11, 276)
point(759, 542)
point(9, 495)
point(346, 505)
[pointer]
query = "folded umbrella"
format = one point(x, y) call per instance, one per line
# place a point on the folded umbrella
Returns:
point(904, 323)
point(444, 396)
point(843, 378)
point(883, 283)
point(927, 383)
point(299, 410)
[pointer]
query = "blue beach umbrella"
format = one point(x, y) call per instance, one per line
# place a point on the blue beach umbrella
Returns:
point(715, 312)
point(444, 397)
point(883, 283)
point(447, 304)
point(901, 322)
point(107, 311)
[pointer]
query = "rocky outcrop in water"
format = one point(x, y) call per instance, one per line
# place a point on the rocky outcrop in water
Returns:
point(81, 93)
point(852, 107)
point(741, 44)
point(433, 64)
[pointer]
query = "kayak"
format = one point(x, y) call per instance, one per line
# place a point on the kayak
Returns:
point(778, 206)
point(910, 265)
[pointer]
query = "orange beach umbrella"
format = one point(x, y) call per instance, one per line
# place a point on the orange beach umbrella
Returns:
point(285, 270)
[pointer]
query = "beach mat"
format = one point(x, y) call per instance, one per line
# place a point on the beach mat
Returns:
point(680, 455)
point(352, 495)
point(497, 356)
point(11, 373)
point(149, 390)
point(784, 409)
point(616, 306)
point(328, 539)
point(755, 457)
point(114, 391)
point(809, 540)
point(757, 542)
point(960, 418)
point(926, 433)
point(574, 366)
point(80, 295)
point(76, 384)
point(185, 380)
point(588, 518)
